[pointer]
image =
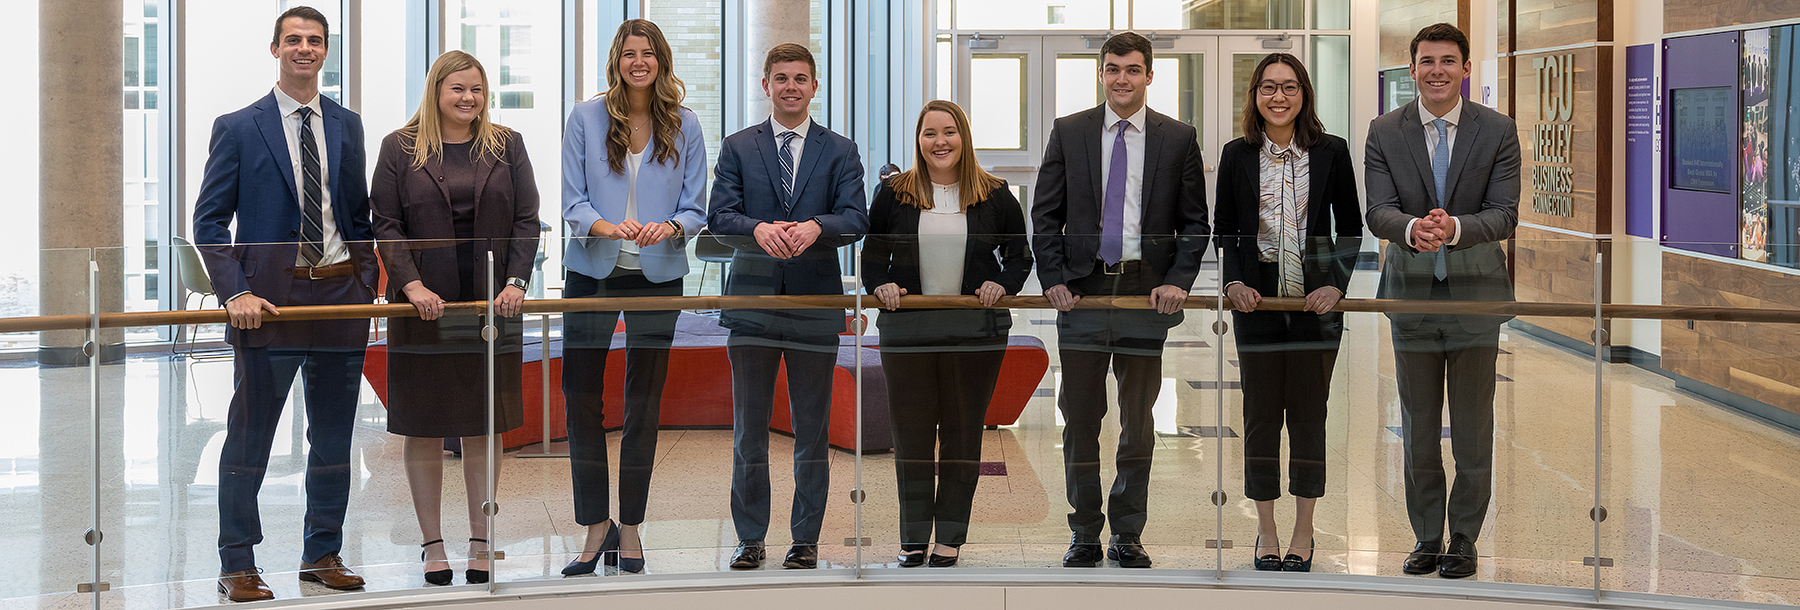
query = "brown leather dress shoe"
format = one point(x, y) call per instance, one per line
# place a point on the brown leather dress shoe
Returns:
point(330, 571)
point(245, 586)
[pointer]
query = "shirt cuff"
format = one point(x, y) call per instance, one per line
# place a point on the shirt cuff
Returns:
point(1456, 235)
point(235, 296)
point(1409, 233)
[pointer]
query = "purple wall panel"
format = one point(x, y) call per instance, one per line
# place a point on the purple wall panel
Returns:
point(1695, 220)
point(1640, 156)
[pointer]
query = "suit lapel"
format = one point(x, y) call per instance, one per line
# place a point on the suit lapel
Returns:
point(1466, 132)
point(1249, 183)
point(1090, 134)
point(1153, 142)
point(1319, 163)
point(766, 149)
point(334, 143)
point(268, 122)
point(809, 159)
point(1414, 133)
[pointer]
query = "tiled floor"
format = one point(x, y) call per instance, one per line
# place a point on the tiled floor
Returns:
point(1699, 497)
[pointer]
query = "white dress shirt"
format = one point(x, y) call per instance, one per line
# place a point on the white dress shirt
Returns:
point(628, 250)
point(1134, 176)
point(798, 144)
point(333, 251)
point(943, 241)
point(1431, 144)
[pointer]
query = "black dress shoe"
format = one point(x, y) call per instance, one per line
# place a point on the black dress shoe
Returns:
point(749, 555)
point(943, 561)
point(802, 556)
point(1293, 563)
point(911, 559)
point(1128, 551)
point(1424, 558)
point(1459, 560)
point(1084, 552)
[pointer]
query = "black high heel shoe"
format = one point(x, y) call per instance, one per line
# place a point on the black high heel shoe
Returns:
point(609, 544)
point(474, 576)
point(633, 565)
point(1267, 563)
point(436, 577)
point(1293, 563)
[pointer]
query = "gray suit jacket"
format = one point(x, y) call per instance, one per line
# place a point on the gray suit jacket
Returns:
point(1483, 195)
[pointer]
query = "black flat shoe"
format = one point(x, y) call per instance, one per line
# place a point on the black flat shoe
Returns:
point(1293, 563)
point(1266, 563)
point(911, 559)
point(943, 561)
point(608, 544)
point(474, 576)
point(436, 577)
point(1424, 557)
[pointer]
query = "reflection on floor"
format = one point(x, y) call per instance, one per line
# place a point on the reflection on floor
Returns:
point(1699, 497)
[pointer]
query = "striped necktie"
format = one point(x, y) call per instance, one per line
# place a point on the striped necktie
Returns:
point(312, 228)
point(787, 169)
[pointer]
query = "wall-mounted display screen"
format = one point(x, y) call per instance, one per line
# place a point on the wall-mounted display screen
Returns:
point(1701, 135)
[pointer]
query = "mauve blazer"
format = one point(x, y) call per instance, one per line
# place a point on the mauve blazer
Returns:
point(592, 191)
point(413, 204)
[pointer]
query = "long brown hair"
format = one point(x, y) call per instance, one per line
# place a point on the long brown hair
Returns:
point(1307, 128)
point(423, 136)
point(666, 94)
point(913, 187)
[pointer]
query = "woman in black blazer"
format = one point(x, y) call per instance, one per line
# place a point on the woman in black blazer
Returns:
point(944, 227)
point(1290, 224)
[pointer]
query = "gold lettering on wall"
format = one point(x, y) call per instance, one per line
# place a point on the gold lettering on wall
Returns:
point(1552, 177)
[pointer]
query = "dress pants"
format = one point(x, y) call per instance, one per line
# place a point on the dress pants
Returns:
point(755, 360)
point(329, 353)
point(1437, 351)
point(938, 397)
point(1129, 342)
point(587, 339)
point(1285, 360)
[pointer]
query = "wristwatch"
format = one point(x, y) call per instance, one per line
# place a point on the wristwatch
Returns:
point(519, 284)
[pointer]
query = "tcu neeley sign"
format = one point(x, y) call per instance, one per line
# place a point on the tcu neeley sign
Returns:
point(1552, 177)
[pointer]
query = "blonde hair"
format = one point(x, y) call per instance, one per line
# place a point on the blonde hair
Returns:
point(423, 136)
point(666, 94)
point(913, 187)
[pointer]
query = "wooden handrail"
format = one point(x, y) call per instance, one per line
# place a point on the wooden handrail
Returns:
point(342, 312)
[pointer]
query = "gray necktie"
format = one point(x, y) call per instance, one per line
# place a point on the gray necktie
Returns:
point(787, 169)
point(312, 227)
point(1440, 169)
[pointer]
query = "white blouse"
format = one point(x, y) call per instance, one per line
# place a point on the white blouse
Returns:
point(628, 250)
point(943, 241)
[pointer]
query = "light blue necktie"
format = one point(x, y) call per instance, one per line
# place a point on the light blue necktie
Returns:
point(787, 170)
point(1440, 169)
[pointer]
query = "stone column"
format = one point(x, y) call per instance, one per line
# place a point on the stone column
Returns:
point(769, 23)
point(81, 150)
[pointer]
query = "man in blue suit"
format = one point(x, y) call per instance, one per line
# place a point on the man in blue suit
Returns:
point(797, 189)
point(289, 169)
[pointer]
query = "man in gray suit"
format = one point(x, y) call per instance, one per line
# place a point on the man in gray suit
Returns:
point(1443, 190)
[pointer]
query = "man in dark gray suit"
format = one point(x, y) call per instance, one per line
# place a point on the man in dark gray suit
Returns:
point(1443, 190)
point(1120, 210)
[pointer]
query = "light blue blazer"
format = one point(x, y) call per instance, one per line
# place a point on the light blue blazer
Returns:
point(591, 191)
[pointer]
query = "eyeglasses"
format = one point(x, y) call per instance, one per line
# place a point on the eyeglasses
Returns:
point(1268, 89)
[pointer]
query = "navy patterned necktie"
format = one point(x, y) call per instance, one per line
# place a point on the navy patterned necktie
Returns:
point(312, 227)
point(787, 169)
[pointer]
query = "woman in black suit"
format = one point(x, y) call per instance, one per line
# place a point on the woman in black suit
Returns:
point(1290, 224)
point(944, 227)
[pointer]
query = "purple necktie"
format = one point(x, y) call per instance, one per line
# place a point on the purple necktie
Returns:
point(1112, 221)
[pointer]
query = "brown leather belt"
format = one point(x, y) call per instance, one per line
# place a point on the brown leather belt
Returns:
point(319, 273)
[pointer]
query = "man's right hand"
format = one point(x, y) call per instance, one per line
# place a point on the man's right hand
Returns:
point(246, 311)
point(1061, 298)
point(773, 240)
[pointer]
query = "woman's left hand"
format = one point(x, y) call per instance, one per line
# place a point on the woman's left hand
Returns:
point(652, 234)
point(510, 302)
point(989, 293)
point(1323, 299)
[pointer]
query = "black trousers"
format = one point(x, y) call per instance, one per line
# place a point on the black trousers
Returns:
point(587, 338)
point(1129, 343)
point(938, 396)
point(1285, 360)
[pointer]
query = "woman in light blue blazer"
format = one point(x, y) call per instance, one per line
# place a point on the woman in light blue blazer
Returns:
point(634, 169)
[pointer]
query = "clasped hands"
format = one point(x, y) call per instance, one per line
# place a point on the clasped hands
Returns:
point(1433, 231)
point(889, 294)
point(1245, 299)
point(644, 235)
point(431, 306)
point(787, 239)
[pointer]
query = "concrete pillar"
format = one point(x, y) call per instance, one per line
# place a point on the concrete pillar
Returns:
point(769, 23)
point(81, 147)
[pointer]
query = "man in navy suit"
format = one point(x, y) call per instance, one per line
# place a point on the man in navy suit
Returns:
point(289, 169)
point(797, 189)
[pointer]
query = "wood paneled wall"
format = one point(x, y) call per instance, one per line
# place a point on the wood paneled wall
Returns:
point(1553, 23)
point(1690, 15)
point(1753, 360)
point(1402, 19)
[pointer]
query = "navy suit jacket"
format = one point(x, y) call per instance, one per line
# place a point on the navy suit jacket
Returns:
point(249, 176)
point(828, 187)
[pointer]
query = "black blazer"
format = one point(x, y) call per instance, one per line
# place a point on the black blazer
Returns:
point(1065, 214)
point(1334, 217)
point(997, 249)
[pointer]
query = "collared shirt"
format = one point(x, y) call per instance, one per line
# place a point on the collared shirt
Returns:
point(1134, 175)
point(797, 145)
point(333, 250)
point(1451, 118)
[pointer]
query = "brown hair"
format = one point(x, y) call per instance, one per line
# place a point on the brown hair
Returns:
point(1439, 32)
point(913, 187)
point(304, 12)
point(666, 94)
point(1308, 130)
point(1123, 43)
point(786, 52)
